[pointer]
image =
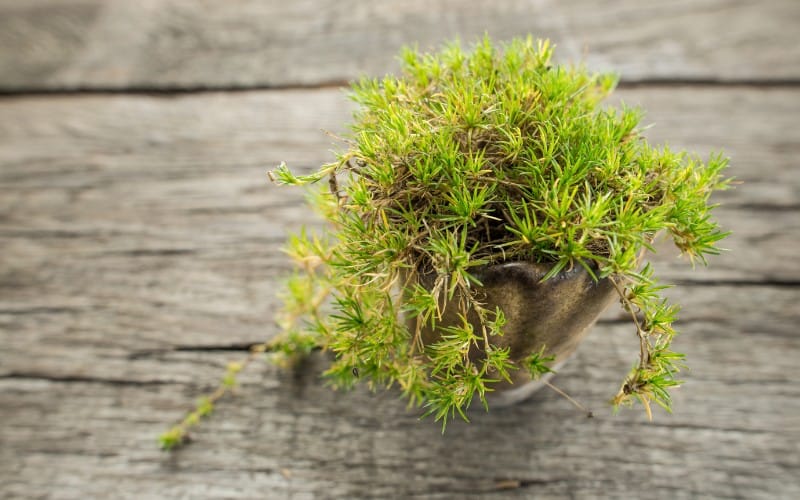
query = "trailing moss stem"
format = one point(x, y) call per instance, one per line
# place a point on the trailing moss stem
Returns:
point(179, 433)
point(569, 398)
point(644, 346)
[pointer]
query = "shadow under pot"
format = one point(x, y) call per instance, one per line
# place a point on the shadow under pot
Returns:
point(555, 314)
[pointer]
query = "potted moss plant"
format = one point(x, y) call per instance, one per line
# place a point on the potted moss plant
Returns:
point(485, 210)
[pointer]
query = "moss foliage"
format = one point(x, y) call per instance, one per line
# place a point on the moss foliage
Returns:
point(471, 158)
point(475, 157)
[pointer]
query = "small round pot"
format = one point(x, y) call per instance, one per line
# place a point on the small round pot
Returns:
point(555, 314)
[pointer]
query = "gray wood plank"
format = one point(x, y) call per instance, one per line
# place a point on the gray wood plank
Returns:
point(129, 343)
point(140, 253)
point(734, 434)
point(174, 44)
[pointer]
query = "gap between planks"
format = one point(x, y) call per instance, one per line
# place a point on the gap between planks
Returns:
point(167, 91)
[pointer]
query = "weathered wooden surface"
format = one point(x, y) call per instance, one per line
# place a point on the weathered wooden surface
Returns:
point(140, 252)
point(119, 44)
point(139, 233)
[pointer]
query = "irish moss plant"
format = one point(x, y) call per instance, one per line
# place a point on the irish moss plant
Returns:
point(471, 158)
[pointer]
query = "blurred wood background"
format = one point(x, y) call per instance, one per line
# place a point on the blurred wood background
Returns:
point(140, 253)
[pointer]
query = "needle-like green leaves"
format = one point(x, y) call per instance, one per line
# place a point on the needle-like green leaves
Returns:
point(474, 157)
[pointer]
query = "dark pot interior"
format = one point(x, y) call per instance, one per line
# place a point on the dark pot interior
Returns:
point(555, 313)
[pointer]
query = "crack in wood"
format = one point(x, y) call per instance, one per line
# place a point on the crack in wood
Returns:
point(514, 484)
point(764, 207)
point(766, 283)
point(167, 90)
point(22, 311)
point(83, 379)
point(233, 347)
point(757, 83)
point(153, 252)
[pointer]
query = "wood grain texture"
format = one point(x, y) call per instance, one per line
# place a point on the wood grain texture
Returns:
point(733, 435)
point(141, 252)
point(178, 44)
